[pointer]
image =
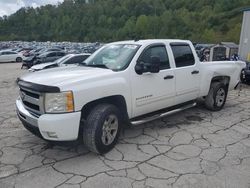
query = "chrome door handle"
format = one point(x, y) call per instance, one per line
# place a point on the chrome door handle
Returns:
point(195, 72)
point(168, 77)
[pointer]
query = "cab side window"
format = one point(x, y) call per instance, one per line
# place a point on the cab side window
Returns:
point(60, 53)
point(82, 58)
point(52, 54)
point(10, 53)
point(72, 60)
point(156, 51)
point(183, 55)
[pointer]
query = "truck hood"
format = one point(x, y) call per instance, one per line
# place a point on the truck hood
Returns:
point(63, 76)
point(42, 66)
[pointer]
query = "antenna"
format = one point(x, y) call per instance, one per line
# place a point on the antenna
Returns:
point(155, 18)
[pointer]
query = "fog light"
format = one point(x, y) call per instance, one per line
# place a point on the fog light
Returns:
point(52, 135)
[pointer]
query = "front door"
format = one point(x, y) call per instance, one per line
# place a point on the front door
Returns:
point(153, 91)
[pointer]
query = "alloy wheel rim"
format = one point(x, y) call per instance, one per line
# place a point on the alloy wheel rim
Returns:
point(220, 97)
point(109, 129)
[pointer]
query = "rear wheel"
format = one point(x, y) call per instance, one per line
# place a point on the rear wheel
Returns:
point(101, 129)
point(242, 76)
point(216, 98)
point(19, 59)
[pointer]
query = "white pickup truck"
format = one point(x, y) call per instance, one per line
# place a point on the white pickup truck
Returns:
point(123, 83)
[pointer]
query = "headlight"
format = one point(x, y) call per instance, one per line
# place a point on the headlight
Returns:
point(59, 102)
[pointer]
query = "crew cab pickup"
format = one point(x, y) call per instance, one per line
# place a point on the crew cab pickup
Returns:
point(123, 83)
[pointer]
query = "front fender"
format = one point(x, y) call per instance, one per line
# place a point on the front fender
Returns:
point(94, 90)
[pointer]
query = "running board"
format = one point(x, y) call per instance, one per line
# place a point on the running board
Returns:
point(157, 116)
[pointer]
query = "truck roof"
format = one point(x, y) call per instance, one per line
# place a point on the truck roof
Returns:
point(150, 41)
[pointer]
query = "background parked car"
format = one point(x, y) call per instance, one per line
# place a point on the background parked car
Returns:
point(28, 61)
point(70, 59)
point(10, 56)
point(48, 57)
point(44, 50)
point(34, 52)
point(33, 56)
point(245, 74)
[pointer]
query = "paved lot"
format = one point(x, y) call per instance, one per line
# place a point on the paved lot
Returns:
point(192, 149)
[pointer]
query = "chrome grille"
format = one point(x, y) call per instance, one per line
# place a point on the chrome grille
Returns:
point(32, 101)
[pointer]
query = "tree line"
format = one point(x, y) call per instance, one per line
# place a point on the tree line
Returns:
point(208, 21)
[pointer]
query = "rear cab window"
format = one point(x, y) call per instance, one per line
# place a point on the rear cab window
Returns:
point(183, 54)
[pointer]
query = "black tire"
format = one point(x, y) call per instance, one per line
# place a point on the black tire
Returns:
point(242, 79)
point(19, 59)
point(93, 128)
point(217, 96)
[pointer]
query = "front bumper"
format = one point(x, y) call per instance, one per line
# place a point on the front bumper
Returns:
point(54, 127)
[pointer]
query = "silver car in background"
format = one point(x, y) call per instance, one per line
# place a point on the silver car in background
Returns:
point(70, 59)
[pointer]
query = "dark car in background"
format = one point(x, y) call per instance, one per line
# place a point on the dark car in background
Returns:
point(33, 56)
point(245, 74)
point(44, 50)
point(70, 59)
point(49, 57)
point(32, 52)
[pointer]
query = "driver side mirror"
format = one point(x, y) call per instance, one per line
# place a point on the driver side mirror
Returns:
point(153, 67)
point(139, 68)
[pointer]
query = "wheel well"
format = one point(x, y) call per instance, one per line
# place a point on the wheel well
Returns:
point(117, 100)
point(222, 79)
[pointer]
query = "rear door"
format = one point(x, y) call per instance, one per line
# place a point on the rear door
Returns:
point(8, 56)
point(3, 57)
point(186, 72)
point(12, 56)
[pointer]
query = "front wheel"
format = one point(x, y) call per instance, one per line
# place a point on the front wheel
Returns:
point(101, 129)
point(216, 98)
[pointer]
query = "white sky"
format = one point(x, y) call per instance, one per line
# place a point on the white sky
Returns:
point(8, 7)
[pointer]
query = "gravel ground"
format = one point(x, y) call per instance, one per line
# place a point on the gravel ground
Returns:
point(195, 148)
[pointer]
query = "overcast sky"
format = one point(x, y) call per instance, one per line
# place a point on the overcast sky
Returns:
point(8, 7)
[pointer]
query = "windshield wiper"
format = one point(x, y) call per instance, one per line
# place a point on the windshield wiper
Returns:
point(98, 66)
point(94, 65)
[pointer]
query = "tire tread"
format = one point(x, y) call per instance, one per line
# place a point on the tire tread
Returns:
point(209, 101)
point(89, 129)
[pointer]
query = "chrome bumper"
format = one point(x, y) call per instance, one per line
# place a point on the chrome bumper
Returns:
point(25, 115)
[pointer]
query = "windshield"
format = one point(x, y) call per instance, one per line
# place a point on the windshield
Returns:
point(114, 56)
